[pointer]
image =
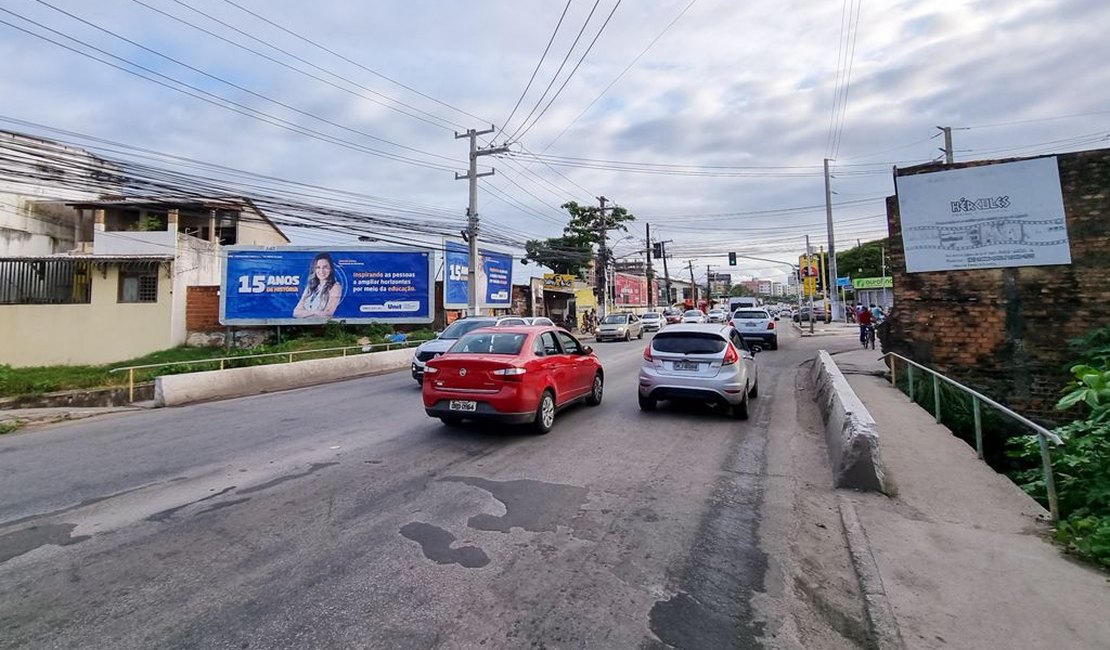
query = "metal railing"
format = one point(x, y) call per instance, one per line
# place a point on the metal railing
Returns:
point(977, 399)
point(289, 358)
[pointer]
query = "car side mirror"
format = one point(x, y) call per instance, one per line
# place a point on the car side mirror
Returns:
point(587, 350)
point(437, 333)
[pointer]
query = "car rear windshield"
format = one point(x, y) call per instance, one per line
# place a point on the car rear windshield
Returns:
point(750, 314)
point(458, 328)
point(688, 342)
point(488, 343)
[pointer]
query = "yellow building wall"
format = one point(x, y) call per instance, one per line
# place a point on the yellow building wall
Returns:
point(103, 331)
point(254, 230)
point(584, 299)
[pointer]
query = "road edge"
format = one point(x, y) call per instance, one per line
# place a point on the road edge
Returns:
point(880, 616)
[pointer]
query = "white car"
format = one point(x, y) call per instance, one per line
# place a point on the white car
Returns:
point(693, 316)
point(652, 321)
point(716, 316)
point(756, 325)
point(708, 363)
point(616, 327)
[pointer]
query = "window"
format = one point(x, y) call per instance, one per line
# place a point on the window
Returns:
point(138, 286)
point(570, 345)
point(487, 343)
point(550, 345)
point(688, 342)
point(45, 282)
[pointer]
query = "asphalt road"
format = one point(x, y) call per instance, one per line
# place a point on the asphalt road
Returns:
point(341, 516)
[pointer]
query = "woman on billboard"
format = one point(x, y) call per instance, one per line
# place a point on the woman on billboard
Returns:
point(322, 295)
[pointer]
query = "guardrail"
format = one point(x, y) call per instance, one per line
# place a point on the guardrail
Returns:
point(289, 358)
point(977, 398)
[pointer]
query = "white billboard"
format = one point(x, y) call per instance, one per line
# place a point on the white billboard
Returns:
point(1007, 214)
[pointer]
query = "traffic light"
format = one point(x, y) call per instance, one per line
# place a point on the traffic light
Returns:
point(732, 259)
point(657, 250)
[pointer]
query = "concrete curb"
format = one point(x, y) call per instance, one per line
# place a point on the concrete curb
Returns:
point(851, 432)
point(880, 616)
point(174, 390)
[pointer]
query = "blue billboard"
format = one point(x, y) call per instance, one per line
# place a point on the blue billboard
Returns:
point(295, 285)
point(495, 278)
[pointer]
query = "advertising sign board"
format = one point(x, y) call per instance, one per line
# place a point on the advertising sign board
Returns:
point(991, 216)
point(873, 283)
point(559, 282)
point(296, 285)
point(495, 278)
point(631, 290)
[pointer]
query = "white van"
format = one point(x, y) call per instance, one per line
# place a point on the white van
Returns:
point(745, 302)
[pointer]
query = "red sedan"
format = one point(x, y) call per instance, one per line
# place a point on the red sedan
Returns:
point(512, 374)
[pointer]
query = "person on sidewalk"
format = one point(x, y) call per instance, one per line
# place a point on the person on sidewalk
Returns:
point(864, 318)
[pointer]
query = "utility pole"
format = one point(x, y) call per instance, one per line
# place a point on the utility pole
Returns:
point(472, 175)
point(666, 273)
point(949, 154)
point(708, 285)
point(831, 288)
point(693, 285)
point(650, 269)
point(602, 266)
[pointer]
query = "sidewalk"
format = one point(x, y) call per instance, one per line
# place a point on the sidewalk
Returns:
point(821, 328)
point(960, 554)
point(35, 416)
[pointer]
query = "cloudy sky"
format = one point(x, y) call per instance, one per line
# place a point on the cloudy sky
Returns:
point(707, 119)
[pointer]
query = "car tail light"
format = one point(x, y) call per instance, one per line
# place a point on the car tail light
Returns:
point(770, 324)
point(510, 374)
point(731, 355)
point(647, 353)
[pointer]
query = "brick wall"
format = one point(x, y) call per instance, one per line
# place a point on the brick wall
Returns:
point(202, 309)
point(1005, 331)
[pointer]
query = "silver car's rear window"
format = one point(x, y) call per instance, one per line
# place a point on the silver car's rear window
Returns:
point(688, 342)
point(750, 314)
point(486, 343)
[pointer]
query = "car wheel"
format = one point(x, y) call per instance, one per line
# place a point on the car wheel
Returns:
point(774, 344)
point(598, 390)
point(628, 336)
point(451, 421)
point(646, 403)
point(754, 392)
point(740, 411)
point(545, 413)
point(640, 335)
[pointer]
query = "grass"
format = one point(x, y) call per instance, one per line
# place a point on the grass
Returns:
point(7, 426)
point(37, 380)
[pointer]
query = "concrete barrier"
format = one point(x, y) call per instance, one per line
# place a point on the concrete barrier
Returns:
point(173, 390)
point(852, 436)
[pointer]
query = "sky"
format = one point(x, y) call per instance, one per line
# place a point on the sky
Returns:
point(709, 120)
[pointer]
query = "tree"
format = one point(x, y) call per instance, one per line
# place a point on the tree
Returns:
point(740, 291)
point(863, 261)
point(572, 252)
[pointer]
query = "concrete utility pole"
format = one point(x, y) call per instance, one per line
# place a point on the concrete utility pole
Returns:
point(949, 154)
point(708, 285)
point(831, 288)
point(602, 266)
point(472, 175)
point(666, 273)
point(809, 258)
point(693, 285)
point(650, 269)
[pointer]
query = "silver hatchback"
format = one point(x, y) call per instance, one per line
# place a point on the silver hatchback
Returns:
point(707, 363)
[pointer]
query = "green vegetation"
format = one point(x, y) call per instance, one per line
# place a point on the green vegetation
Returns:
point(1081, 467)
point(571, 253)
point(45, 379)
point(7, 426)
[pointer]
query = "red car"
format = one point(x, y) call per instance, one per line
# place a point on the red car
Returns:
point(514, 374)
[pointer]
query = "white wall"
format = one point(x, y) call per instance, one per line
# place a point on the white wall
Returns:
point(198, 263)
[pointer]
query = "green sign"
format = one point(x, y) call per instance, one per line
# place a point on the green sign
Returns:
point(873, 283)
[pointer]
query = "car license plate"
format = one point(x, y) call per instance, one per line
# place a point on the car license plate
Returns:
point(686, 365)
point(463, 405)
point(749, 324)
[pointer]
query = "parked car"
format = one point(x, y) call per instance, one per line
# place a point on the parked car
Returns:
point(693, 316)
point(615, 327)
point(672, 315)
point(756, 325)
point(515, 375)
point(709, 362)
point(819, 314)
point(652, 321)
point(716, 316)
point(429, 350)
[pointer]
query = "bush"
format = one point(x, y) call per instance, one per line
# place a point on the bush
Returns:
point(1081, 466)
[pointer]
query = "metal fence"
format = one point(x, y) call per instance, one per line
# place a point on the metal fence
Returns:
point(977, 400)
point(286, 357)
point(45, 282)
